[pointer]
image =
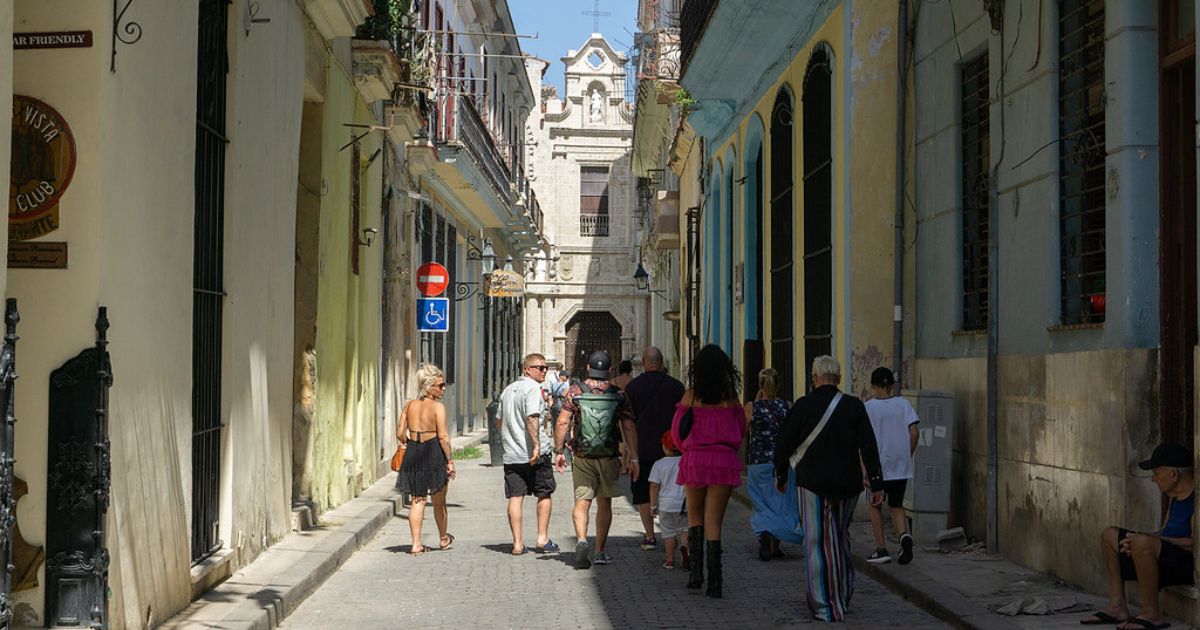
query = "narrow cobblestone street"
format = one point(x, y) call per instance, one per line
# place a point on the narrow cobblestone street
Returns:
point(479, 584)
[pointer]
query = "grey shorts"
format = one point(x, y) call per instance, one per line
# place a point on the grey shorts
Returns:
point(672, 523)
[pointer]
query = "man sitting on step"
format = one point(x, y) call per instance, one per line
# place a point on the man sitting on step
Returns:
point(1153, 560)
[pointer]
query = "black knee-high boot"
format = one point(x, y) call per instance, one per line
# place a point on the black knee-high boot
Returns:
point(714, 569)
point(696, 547)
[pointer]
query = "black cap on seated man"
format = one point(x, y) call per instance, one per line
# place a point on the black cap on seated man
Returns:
point(1168, 454)
point(1154, 560)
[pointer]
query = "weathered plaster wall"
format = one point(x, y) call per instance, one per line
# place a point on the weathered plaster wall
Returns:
point(1022, 123)
point(344, 440)
point(128, 219)
point(266, 93)
point(1067, 457)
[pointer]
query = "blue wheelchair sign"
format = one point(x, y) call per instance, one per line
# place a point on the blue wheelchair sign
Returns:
point(433, 314)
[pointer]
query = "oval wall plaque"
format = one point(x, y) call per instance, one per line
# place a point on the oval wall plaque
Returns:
point(43, 162)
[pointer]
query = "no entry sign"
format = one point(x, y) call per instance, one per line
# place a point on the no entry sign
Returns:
point(432, 278)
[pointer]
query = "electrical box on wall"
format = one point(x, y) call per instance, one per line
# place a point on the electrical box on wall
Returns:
point(928, 496)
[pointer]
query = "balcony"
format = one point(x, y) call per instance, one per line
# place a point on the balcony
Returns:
point(457, 120)
point(593, 225)
point(659, 58)
point(733, 51)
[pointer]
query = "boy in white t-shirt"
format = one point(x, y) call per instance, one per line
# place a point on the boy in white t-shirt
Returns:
point(895, 424)
point(667, 502)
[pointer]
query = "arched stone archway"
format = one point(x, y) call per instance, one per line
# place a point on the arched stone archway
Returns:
point(587, 332)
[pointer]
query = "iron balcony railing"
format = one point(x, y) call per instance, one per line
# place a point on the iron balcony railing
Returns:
point(692, 20)
point(468, 128)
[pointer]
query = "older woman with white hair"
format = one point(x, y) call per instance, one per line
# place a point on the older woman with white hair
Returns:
point(428, 461)
point(825, 434)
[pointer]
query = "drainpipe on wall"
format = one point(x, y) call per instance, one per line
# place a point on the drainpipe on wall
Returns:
point(898, 220)
point(993, 329)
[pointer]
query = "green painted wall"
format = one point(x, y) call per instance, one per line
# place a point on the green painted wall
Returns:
point(344, 434)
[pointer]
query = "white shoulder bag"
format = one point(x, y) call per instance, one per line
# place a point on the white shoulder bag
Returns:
point(800, 450)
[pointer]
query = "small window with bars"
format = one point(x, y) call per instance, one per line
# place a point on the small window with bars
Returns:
point(1081, 160)
point(593, 201)
point(975, 192)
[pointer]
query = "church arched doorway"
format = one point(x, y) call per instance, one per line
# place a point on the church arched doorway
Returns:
point(587, 332)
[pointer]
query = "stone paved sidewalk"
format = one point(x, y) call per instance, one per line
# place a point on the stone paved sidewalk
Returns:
point(480, 584)
point(354, 572)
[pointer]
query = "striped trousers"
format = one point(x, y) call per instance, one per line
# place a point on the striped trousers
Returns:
point(829, 569)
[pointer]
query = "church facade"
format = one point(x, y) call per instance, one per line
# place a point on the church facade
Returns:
point(581, 295)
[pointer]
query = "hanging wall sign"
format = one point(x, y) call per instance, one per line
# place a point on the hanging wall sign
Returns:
point(60, 39)
point(504, 283)
point(43, 161)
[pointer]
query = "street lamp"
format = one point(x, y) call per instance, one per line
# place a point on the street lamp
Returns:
point(488, 257)
point(642, 278)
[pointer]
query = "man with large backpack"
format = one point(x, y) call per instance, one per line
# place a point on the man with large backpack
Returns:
point(598, 417)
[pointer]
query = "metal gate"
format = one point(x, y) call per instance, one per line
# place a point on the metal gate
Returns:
point(588, 332)
point(8, 503)
point(78, 476)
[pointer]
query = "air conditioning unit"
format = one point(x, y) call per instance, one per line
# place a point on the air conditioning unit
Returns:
point(928, 496)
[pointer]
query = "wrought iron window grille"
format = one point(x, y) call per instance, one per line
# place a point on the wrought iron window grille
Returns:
point(1082, 154)
point(976, 189)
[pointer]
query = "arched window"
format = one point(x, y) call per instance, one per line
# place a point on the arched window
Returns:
point(727, 261)
point(752, 236)
point(818, 207)
point(782, 265)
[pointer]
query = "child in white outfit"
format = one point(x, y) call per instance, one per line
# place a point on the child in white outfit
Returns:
point(667, 502)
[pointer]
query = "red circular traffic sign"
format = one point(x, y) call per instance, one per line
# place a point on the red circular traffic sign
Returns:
point(432, 278)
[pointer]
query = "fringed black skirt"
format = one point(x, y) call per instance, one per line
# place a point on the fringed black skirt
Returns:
point(423, 471)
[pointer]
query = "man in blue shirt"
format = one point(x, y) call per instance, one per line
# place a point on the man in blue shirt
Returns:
point(1153, 560)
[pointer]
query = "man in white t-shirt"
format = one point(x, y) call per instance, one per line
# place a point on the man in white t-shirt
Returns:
point(895, 425)
point(528, 451)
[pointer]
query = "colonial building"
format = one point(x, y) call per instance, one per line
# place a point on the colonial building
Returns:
point(787, 160)
point(217, 215)
point(1055, 167)
point(583, 297)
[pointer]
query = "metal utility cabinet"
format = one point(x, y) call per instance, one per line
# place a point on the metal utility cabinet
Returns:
point(928, 496)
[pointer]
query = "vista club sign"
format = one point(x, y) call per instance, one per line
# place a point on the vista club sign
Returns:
point(43, 162)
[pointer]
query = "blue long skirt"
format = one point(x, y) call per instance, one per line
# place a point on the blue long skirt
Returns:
point(776, 513)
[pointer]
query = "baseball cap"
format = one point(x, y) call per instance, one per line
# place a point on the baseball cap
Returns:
point(1168, 454)
point(598, 364)
point(667, 442)
point(883, 377)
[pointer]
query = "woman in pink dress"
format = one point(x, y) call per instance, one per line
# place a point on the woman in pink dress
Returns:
point(709, 426)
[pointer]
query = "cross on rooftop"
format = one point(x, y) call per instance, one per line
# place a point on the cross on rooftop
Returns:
point(596, 13)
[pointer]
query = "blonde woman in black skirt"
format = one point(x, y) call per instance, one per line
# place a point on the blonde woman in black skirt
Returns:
point(428, 463)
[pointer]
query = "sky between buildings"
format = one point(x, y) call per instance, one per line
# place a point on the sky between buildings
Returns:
point(561, 26)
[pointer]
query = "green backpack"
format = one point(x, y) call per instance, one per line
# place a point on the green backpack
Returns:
point(595, 433)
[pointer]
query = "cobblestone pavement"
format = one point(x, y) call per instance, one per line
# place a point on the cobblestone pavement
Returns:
point(478, 583)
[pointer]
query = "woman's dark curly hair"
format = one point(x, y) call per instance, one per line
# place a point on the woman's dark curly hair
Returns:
point(713, 377)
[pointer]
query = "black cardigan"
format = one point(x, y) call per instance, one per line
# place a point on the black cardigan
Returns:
point(830, 467)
